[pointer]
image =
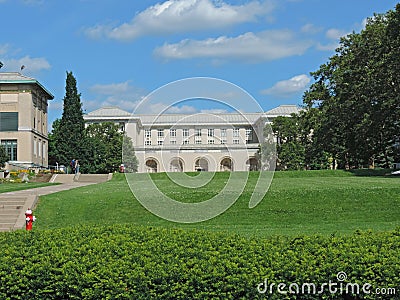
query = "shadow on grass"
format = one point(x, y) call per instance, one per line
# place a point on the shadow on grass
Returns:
point(371, 172)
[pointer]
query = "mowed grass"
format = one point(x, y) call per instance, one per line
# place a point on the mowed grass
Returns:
point(12, 187)
point(297, 203)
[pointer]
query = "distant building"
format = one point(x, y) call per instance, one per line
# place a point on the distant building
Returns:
point(198, 142)
point(23, 121)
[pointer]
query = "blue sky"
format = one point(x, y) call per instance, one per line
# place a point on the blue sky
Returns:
point(121, 50)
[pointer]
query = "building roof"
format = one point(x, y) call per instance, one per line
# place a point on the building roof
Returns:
point(15, 77)
point(115, 113)
point(109, 111)
point(283, 110)
point(200, 118)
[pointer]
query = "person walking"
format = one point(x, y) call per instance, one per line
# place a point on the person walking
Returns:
point(76, 167)
point(72, 165)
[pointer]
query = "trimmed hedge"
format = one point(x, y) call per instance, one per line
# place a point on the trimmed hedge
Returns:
point(130, 262)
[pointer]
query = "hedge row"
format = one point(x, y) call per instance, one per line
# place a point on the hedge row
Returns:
point(129, 262)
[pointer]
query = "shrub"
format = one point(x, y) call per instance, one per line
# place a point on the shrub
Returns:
point(129, 262)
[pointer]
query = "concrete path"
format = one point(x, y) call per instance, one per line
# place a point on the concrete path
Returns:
point(14, 204)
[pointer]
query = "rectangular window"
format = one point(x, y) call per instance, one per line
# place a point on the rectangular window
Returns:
point(197, 132)
point(147, 143)
point(223, 132)
point(223, 141)
point(8, 121)
point(236, 141)
point(210, 132)
point(35, 147)
point(159, 143)
point(44, 149)
point(40, 149)
point(236, 132)
point(173, 142)
point(185, 132)
point(197, 141)
point(249, 135)
point(186, 142)
point(160, 133)
point(10, 146)
point(172, 132)
point(147, 133)
point(210, 142)
point(248, 132)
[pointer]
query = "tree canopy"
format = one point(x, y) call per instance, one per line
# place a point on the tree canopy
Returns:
point(3, 157)
point(98, 147)
point(105, 145)
point(351, 111)
point(68, 137)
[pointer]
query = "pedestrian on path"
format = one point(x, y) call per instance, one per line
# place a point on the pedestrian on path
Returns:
point(76, 166)
point(72, 164)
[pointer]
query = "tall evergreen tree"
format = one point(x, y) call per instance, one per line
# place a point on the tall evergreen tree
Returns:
point(69, 137)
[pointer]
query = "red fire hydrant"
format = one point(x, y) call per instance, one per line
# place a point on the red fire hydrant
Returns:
point(29, 218)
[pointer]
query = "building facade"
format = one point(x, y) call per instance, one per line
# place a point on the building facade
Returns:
point(23, 121)
point(196, 142)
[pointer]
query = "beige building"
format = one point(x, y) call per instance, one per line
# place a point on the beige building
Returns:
point(23, 121)
point(184, 143)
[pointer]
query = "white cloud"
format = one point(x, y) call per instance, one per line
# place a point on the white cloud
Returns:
point(175, 16)
point(122, 95)
point(159, 107)
point(4, 48)
point(364, 23)
point(333, 35)
point(214, 111)
point(32, 64)
point(310, 28)
point(286, 88)
point(250, 47)
point(111, 89)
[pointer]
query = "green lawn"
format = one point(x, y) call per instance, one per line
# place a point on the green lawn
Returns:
point(11, 187)
point(311, 202)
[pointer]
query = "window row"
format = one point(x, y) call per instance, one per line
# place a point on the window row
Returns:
point(196, 141)
point(198, 132)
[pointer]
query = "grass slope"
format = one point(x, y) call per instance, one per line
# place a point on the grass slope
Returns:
point(312, 202)
point(12, 187)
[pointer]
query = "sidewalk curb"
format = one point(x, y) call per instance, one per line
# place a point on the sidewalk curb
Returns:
point(30, 202)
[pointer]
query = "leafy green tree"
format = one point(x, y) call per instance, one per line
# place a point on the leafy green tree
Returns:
point(357, 96)
point(69, 138)
point(128, 153)
point(53, 150)
point(3, 157)
point(106, 144)
point(104, 153)
point(290, 150)
point(266, 155)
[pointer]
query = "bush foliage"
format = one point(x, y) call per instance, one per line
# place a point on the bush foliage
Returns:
point(130, 262)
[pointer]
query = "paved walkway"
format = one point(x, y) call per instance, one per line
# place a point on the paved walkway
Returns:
point(14, 204)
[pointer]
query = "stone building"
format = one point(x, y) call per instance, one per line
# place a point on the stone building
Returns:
point(23, 121)
point(192, 142)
